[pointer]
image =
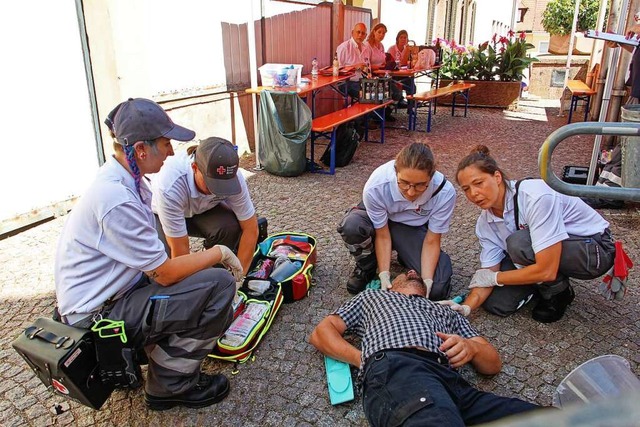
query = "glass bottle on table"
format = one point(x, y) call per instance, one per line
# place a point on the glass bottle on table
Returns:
point(314, 69)
point(336, 65)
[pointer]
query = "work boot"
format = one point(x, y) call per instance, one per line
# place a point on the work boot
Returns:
point(359, 279)
point(209, 389)
point(552, 310)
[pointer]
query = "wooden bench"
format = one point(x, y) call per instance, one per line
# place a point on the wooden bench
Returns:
point(579, 92)
point(427, 98)
point(325, 126)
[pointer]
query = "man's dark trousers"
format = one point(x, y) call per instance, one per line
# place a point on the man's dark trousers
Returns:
point(407, 389)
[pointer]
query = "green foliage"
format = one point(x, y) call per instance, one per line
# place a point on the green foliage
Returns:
point(557, 18)
point(503, 59)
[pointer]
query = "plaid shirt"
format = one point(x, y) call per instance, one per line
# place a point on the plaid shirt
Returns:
point(387, 320)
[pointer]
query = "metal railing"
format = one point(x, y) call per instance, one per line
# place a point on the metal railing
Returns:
point(586, 128)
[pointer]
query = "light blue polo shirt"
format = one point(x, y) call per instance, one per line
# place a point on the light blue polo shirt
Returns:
point(108, 240)
point(176, 197)
point(550, 217)
point(384, 201)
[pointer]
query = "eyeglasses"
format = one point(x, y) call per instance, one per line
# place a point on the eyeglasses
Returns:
point(404, 185)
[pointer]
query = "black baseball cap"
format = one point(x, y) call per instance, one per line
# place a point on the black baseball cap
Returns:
point(218, 161)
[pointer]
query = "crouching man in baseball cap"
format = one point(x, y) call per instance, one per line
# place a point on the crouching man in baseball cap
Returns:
point(199, 192)
point(110, 263)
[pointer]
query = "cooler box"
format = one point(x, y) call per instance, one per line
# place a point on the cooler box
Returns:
point(280, 74)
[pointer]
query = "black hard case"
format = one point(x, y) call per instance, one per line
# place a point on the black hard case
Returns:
point(64, 358)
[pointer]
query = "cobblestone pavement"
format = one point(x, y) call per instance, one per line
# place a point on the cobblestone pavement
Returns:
point(285, 384)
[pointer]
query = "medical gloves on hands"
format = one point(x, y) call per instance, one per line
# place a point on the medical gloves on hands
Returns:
point(231, 262)
point(385, 280)
point(465, 310)
point(484, 278)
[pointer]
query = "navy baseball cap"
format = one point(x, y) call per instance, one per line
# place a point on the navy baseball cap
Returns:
point(141, 119)
point(218, 161)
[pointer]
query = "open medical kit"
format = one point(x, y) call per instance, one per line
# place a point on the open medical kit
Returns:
point(281, 271)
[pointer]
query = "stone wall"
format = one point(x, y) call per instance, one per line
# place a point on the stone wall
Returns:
point(540, 80)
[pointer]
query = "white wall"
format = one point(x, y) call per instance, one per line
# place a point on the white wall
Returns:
point(400, 15)
point(488, 11)
point(48, 143)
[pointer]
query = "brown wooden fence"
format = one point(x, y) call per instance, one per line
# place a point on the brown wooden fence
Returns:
point(290, 38)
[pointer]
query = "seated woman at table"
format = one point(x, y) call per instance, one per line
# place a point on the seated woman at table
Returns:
point(532, 240)
point(398, 51)
point(406, 205)
point(377, 58)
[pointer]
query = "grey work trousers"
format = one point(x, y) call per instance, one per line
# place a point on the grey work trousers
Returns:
point(583, 257)
point(176, 325)
point(358, 234)
point(218, 226)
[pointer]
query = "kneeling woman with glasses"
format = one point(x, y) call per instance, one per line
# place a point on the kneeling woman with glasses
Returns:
point(406, 205)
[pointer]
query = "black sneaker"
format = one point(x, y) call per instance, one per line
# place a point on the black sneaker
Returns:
point(210, 389)
point(359, 279)
point(389, 118)
point(552, 310)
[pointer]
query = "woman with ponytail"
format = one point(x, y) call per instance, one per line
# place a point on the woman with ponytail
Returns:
point(532, 240)
point(406, 205)
point(111, 264)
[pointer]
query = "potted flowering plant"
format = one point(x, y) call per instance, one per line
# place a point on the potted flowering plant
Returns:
point(499, 60)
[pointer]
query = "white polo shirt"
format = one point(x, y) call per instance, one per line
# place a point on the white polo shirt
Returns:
point(108, 240)
point(175, 196)
point(384, 201)
point(349, 54)
point(550, 217)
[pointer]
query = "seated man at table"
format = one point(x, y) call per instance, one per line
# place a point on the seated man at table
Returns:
point(411, 348)
point(352, 53)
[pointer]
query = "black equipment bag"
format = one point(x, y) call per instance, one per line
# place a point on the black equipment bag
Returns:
point(347, 141)
point(64, 358)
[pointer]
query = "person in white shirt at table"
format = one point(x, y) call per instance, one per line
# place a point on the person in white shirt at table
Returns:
point(353, 53)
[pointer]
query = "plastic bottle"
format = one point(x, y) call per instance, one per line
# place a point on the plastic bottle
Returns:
point(314, 69)
point(285, 269)
point(397, 59)
point(336, 65)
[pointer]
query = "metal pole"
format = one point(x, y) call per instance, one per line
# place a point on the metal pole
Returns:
point(586, 128)
point(567, 68)
point(607, 92)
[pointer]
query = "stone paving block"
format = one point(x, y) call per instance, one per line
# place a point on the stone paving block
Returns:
point(286, 384)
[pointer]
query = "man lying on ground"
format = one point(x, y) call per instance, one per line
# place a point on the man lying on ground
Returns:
point(411, 348)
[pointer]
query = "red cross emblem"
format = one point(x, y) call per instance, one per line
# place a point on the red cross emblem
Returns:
point(59, 387)
point(221, 170)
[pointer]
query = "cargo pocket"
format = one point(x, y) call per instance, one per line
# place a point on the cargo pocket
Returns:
point(171, 314)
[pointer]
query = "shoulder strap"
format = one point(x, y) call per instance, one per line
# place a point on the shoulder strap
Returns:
point(515, 203)
point(444, 181)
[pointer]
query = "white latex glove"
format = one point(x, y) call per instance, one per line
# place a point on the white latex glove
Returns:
point(465, 310)
point(231, 262)
point(429, 284)
point(484, 278)
point(385, 280)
